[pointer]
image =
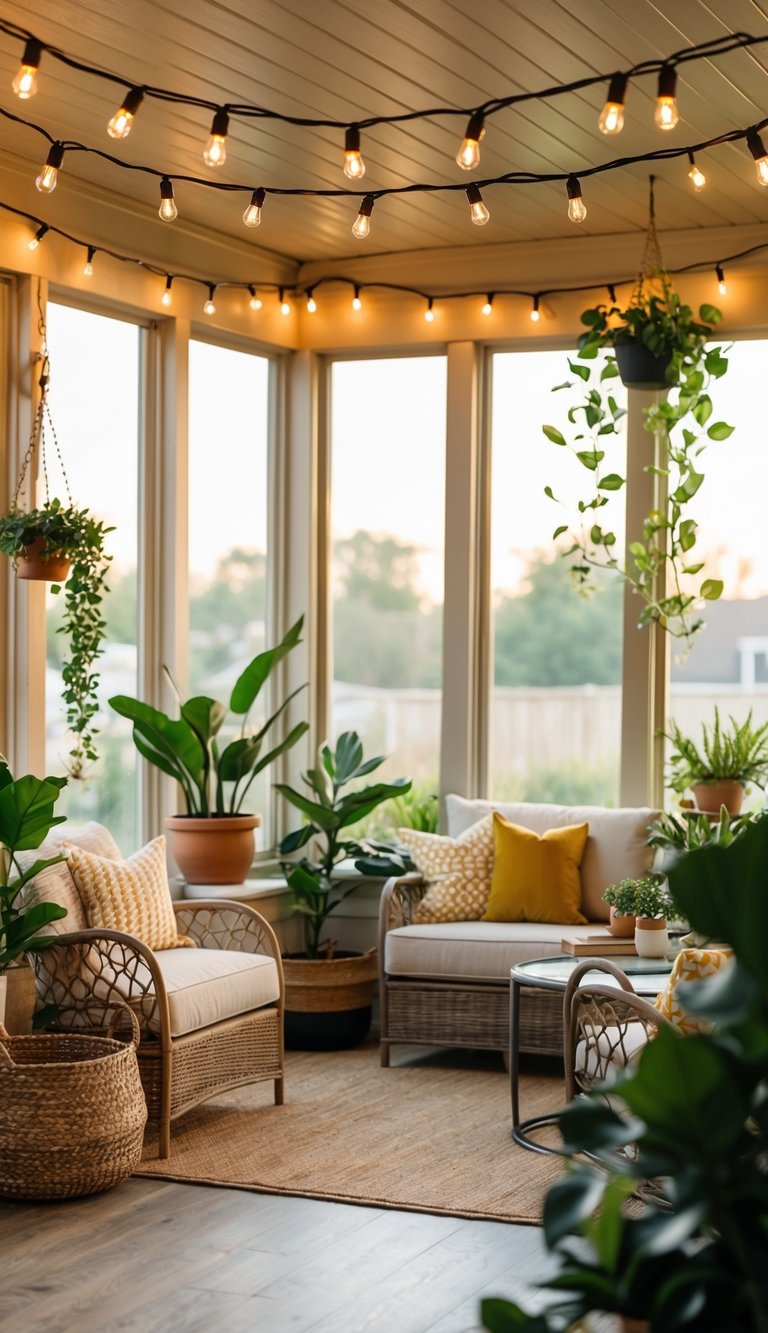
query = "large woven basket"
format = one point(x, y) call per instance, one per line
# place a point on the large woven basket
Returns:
point(72, 1113)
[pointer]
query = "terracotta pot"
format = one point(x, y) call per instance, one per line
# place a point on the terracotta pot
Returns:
point(48, 569)
point(710, 796)
point(633, 1325)
point(20, 999)
point(651, 937)
point(623, 927)
point(328, 1001)
point(213, 849)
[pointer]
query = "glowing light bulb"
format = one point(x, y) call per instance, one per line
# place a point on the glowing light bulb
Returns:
point(311, 304)
point(354, 166)
point(88, 266)
point(255, 302)
point(215, 151)
point(362, 223)
point(468, 156)
point(696, 175)
point(477, 209)
point(612, 115)
point(535, 312)
point(210, 308)
point(121, 123)
point(48, 178)
point(666, 114)
point(285, 305)
point(38, 236)
point(25, 83)
point(252, 214)
point(166, 299)
point(167, 210)
point(356, 302)
point(429, 313)
point(721, 287)
point(577, 209)
point(757, 149)
point(488, 307)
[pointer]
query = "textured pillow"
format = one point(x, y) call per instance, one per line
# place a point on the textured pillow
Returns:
point(536, 877)
point(56, 885)
point(459, 871)
point(690, 965)
point(132, 896)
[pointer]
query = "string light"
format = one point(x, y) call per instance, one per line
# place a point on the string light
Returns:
point(38, 236)
point(757, 149)
point(696, 175)
point(477, 209)
point(429, 313)
point(577, 209)
point(720, 275)
point(252, 214)
point(311, 302)
point(666, 114)
point(362, 223)
point(167, 210)
point(210, 306)
point(48, 178)
point(88, 266)
point(25, 83)
point(166, 299)
point(356, 302)
point(121, 123)
point(612, 293)
point(255, 302)
point(612, 115)
point(354, 166)
point(468, 156)
point(535, 314)
point(488, 307)
point(215, 151)
point(285, 305)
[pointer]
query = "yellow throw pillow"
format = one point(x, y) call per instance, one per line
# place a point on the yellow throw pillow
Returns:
point(690, 965)
point(132, 896)
point(458, 871)
point(536, 878)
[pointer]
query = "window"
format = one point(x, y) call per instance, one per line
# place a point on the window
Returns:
point(95, 396)
point(387, 517)
point(556, 708)
point(228, 507)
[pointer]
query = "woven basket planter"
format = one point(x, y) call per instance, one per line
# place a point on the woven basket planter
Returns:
point(328, 1001)
point(72, 1113)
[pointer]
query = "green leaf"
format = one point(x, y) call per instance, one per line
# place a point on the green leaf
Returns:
point(26, 811)
point(250, 682)
point(316, 813)
point(558, 532)
point(548, 491)
point(711, 589)
point(204, 716)
point(715, 362)
point(702, 410)
point(583, 372)
point(590, 458)
point(709, 314)
point(292, 842)
point(611, 482)
point(570, 1201)
point(554, 435)
point(720, 431)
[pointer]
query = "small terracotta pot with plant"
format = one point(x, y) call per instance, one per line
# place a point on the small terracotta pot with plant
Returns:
point(719, 772)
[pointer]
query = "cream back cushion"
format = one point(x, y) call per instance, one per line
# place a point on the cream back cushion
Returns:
point(132, 896)
point(616, 847)
point(56, 885)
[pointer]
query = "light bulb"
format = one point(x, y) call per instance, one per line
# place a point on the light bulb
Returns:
point(215, 151)
point(49, 173)
point(362, 224)
point(311, 304)
point(356, 302)
point(88, 266)
point(167, 210)
point(757, 149)
point(429, 313)
point(210, 308)
point(38, 236)
point(468, 156)
point(721, 287)
point(696, 175)
point(166, 298)
point(255, 302)
point(252, 214)
point(285, 305)
point(477, 209)
point(354, 166)
point(612, 115)
point(577, 209)
point(120, 125)
point(535, 313)
point(488, 307)
point(666, 114)
point(25, 83)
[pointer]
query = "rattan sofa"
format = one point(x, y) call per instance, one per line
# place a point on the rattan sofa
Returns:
point(448, 984)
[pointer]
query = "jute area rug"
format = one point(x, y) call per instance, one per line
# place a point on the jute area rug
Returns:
point(432, 1134)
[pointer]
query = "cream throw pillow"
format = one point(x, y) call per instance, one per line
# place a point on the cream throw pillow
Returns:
point(132, 896)
point(458, 871)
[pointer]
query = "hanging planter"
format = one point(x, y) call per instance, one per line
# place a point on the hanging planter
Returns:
point(639, 367)
point(63, 543)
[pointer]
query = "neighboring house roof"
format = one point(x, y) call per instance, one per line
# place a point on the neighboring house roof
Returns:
point(732, 648)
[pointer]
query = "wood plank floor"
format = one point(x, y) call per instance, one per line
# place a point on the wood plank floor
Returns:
point(154, 1255)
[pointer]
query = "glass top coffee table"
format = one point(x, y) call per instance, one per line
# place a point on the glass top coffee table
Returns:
point(648, 977)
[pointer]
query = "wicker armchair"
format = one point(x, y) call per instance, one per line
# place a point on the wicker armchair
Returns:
point(223, 1029)
point(604, 1027)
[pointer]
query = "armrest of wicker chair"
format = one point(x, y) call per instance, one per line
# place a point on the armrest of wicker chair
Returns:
point(611, 1023)
point(222, 924)
point(85, 975)
point(400, 897)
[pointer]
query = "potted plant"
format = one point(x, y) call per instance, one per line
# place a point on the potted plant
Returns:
point(651, 337)
point(213, 841)
point(646, 903)
point(329, 992)
point(60, 542)
point(26, 818)
point(690, 1112)
point(718, 773)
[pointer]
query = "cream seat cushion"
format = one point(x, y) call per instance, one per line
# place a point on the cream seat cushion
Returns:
point(471, 950)
point(616, 847)
point(590, 1056)
point(208, 985)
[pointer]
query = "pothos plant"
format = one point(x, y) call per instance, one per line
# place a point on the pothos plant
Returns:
point(660, 561)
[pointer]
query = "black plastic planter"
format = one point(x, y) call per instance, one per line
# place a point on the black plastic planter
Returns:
point(639, 368)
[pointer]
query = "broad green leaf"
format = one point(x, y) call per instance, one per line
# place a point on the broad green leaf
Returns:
point(570, 1201)
point(611, 482)
point(703, 409)
point(558, 532)
point(171, 740)
point(554, 435)
point(250, 682)
point(318, 814)
point(720, 431)
point(583, 372)
point(292, 842)
point(590, 458)
point(711, 589)
point(715, 362)
point(548, 491)
point(709, 314)
point(204, 716)
point(26, 811)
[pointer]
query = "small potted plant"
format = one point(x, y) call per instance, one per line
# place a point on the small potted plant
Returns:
point(60, 542)
point(651, 337)
point(213, 841)
point(329, 992)
point(718, 772)
point(647, 904)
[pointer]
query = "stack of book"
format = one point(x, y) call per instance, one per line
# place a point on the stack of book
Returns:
point(600, 945)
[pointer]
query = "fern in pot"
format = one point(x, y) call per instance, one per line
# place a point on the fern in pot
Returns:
point(719, 772)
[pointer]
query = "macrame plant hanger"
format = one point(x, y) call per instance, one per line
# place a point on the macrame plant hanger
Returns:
point(652, 279)
point(43, 421)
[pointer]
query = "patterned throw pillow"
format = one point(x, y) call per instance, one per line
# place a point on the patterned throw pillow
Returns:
point(132, 896)
point(458, 871)
point(690, 965)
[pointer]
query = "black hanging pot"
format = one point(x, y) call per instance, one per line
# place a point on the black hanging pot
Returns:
point(639, 368)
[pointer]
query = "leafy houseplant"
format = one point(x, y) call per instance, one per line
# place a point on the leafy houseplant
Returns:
point(660, 563)
point(213, 841)
point(672, 834)
point(718, 773)
point(647, 898)
point(58, 542)
point(316, 892)
point(695, 1117)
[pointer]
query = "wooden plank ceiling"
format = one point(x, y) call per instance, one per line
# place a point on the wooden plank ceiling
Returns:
point(345, 59)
